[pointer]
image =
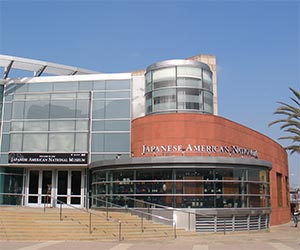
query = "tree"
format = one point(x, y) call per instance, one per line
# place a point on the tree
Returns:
point(291, 122)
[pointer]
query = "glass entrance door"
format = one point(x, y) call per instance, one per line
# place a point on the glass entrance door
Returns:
point(39, 187)
point(66, 186)
point(70, 187)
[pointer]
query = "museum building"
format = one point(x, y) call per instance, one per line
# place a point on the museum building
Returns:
point(145, 139)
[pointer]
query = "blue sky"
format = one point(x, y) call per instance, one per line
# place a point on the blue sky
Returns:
point(257, 45)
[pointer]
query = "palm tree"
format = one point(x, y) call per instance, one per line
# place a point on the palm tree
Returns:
point(291, 122)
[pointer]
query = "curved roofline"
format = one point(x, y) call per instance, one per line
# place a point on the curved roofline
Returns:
point(177, 62)
point(39, 67)
point(173, 160)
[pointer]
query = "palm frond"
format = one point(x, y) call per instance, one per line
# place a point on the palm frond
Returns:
point(291, 122)
point(293, 131)
point(296, 93)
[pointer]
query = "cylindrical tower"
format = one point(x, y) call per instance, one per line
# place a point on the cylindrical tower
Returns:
point(178, 86)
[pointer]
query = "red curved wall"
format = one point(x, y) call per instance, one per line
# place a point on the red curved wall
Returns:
point(201, 129)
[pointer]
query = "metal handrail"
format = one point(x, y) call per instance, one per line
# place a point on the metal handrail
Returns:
point(155, 205)
point(61, 203)
point(141, 213)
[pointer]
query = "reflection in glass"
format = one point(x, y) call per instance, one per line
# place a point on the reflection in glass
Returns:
point(62, 109)
point(35, 142)
point(61, 142)
point(36, 109)
point(189, 188)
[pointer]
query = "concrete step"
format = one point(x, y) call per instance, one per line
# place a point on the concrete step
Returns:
point(17, 223)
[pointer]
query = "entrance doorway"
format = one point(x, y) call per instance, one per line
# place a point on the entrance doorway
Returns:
point(47, 187)
point(69, 187)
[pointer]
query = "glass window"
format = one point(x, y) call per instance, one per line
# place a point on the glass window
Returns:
point(164, 84)
point(99, 95)
point(164, 74)
point(164, 99)
point(82, 109)
point(279, 189)
point(17, 97)
point(35, 142)
point(65, 86)
point(254, 201)
point(99, 85)
point(61, 142)
point(7, 111)
point(188, 82)
point(189, 95)
point(117, 125)
point(117, 142)
point(3, 158)
point(98, 109)
point(82, 125)
point(117, 84)
point(97, 142)
point(38, 96)
point(253, 175)
point(5, 126)
point(17, 110)
point(148, 86)
point(5, 142)
point(35, 125)
point(118, 94)
point(62, 125)
point(61, 96)
point(208, 102)
point(81, 142)
point(164, 106)
point(21, 87)
point(36, 109)
point(1, 92)
point(239, 174)
point(62, 109)
point(98, 126)
point(207, 80)
point(16, 126)
point(83, 95)
point(164, 92)
point(254, 188)
point(85, 85)
point(189, 71)
point(149, 103)
point(10, 88)
point(117, 109)
point(8, 98)
point(13, 184)
point(40, 87)
point(148, 77)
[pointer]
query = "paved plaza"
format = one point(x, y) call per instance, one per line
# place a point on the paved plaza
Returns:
point(283, 237)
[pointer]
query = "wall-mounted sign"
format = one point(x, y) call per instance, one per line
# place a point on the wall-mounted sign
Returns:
point(207, 149)
point(47, 158)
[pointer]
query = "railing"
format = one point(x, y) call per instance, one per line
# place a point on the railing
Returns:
point(61, 204)
point(150, 205)
point(109, 205)
point(142, 214)
point(214, 221)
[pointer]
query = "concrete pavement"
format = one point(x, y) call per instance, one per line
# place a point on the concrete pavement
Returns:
point(283, 237)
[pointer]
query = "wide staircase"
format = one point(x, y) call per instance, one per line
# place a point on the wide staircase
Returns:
point(23, 223)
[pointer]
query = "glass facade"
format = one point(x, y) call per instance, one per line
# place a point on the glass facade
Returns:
point(179, 86)
point(186, 187)
point(74, 116)
point(11, 186)
point(1, 99)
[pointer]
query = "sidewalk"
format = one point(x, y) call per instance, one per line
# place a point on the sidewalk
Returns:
point(283, 237)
